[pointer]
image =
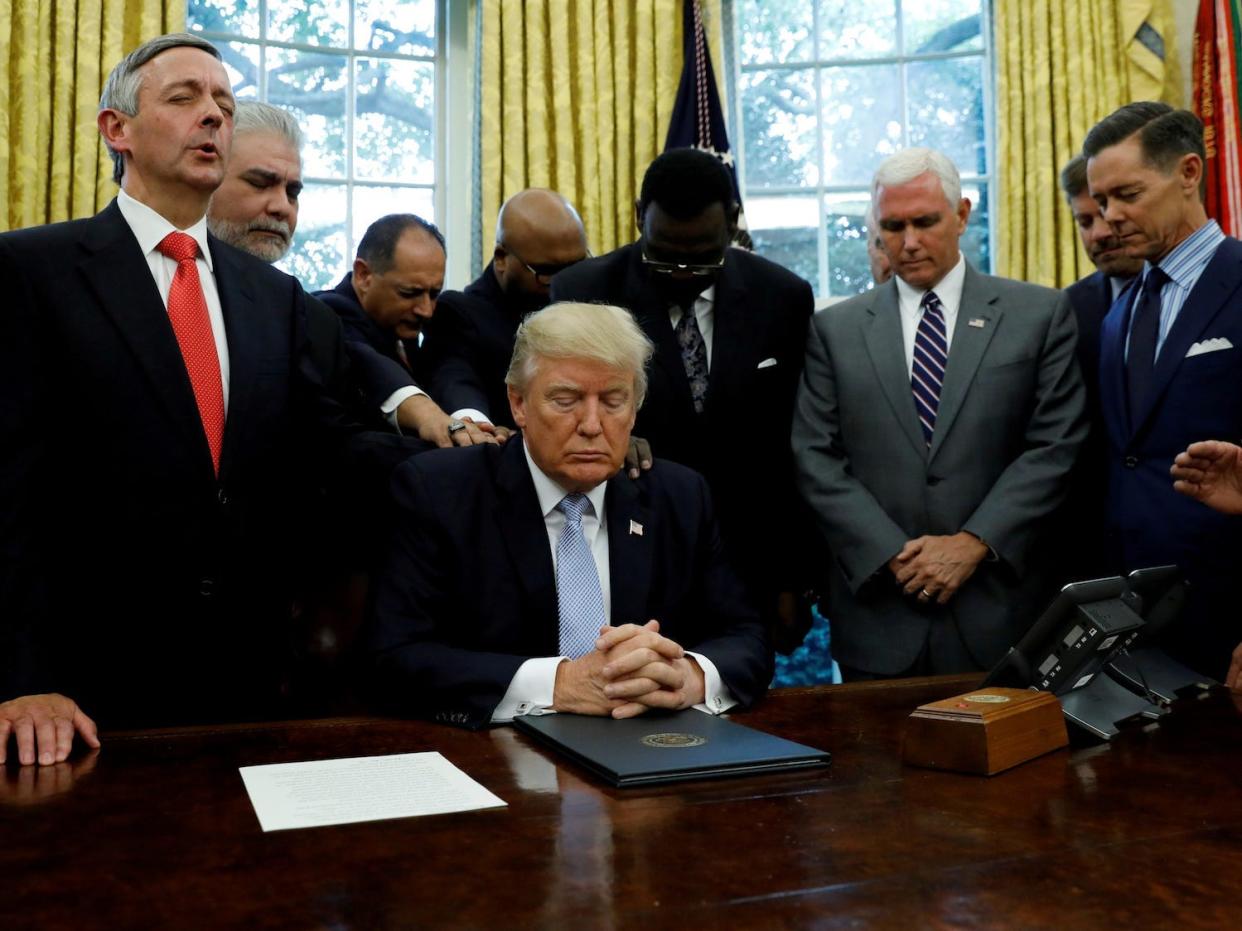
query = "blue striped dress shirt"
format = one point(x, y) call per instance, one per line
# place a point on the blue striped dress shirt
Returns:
point(1184, 264)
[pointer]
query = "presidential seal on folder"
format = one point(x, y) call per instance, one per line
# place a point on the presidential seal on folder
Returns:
point(984, 732)
point(651, 749)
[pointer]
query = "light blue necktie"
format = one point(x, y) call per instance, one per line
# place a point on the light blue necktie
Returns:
point(579, 599)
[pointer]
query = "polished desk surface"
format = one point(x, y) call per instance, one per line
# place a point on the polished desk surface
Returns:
point(156, 830)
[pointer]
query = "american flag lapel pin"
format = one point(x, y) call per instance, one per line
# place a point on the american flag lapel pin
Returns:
point(977, 322)
point(636, 528)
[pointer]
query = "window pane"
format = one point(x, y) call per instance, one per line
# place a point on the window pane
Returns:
point(241, 63)
point(849, 269)
point(312, 85)
point(783, 230)
point(395, 120)
point(778, 116)
point(941, 25)
point(318, 258)
point(240, 17)
point(946, 110)
point(403, 26)
point(371, 203)
point(862, 121)
point(322, 22)
point(975, 244)
point(857, 28)
point(774, 31)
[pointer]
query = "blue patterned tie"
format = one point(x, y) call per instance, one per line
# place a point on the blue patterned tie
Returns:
point(931, 354)
point(693, 355)
point(579, 599)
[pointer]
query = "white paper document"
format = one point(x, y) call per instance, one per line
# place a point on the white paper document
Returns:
point(364, 788)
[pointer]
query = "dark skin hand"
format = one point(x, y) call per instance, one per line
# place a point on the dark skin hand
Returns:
point(638, 456)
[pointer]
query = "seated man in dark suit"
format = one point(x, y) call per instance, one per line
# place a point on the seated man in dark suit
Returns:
point(730, 330)
point(384, 304)
point(532, 577)
point(538, 233)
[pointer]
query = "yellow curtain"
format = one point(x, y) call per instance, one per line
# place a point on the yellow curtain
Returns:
point(1061, 66)
point(54, 57)
point(576, 96)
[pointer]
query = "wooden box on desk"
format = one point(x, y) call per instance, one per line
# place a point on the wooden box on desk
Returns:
point(984, 732)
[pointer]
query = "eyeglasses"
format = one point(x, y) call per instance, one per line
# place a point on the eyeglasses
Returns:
point(691, 270)
point(543, 273)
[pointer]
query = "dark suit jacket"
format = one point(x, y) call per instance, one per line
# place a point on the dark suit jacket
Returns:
point(740, 443)
point(1194, 397)
point(469, 593)
point(474, 332)
point(1080, 521)
point(131, 578)
point(1009, 427)
point(376, 368)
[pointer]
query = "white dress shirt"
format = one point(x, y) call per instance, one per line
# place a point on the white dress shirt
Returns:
point(150, 228)
point(948, 289)
point(531, 688)
point(704, 313)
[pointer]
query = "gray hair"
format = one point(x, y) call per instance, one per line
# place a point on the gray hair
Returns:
point(568, 330)
point(255, 116)
point(120, 91)
point(906, 165)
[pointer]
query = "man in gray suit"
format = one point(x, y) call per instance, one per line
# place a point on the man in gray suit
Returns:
point(937, 419)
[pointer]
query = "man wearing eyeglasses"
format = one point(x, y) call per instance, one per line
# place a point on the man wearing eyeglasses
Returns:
point(730, 331)
point(538, 233)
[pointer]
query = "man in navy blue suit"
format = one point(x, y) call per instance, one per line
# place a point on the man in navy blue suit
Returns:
point(1170, 365)
point(1081, 518)
point(534, 577)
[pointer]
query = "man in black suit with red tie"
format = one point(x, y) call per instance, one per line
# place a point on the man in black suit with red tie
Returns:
point(730, 330)
point(160, 429)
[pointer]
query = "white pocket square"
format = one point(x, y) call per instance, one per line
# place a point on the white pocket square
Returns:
point(1209, 345)
point(766, 364)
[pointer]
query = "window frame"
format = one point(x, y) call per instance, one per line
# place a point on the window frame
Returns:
point(448, 20)
point(818, 64)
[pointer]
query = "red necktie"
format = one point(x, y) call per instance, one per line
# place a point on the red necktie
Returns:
point(187, 311)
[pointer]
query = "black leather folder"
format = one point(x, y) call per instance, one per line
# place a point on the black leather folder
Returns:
point(652, 749)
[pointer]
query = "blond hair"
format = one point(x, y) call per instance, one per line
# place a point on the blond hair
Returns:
point(569, 330)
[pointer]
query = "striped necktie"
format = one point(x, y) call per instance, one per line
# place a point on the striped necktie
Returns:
point(931, 354)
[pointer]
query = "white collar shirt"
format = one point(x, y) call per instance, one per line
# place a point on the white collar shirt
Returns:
point(909, 301)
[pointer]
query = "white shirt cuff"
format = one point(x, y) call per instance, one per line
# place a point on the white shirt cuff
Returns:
point(530, 690)
point(395, 400)
point(717, 698)
point(472, 414)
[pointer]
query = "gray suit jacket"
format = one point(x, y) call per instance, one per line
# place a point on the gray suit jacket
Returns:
point(1008, 430)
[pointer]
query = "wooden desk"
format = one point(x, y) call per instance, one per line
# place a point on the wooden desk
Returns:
point(156, 831)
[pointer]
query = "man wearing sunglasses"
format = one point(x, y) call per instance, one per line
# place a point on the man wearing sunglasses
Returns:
point(538, 233)
point(730, 333)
